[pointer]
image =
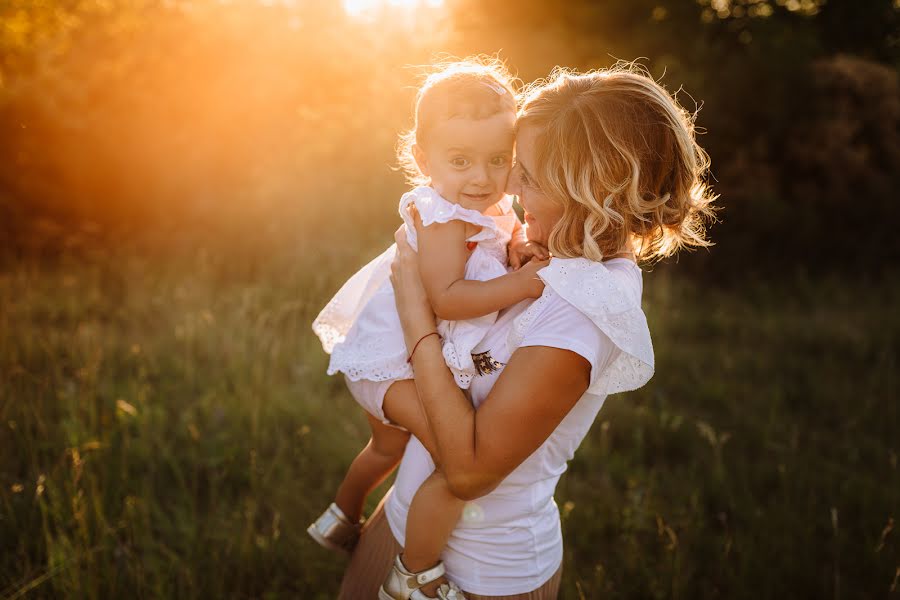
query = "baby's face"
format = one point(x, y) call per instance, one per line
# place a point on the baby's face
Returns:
point(468, 160)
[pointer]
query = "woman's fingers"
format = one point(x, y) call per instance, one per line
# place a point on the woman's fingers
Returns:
point(415, 311)
point(414, 214)
point(405, 266)
point(400, 235)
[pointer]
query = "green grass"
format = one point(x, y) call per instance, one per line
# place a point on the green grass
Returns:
point(167, 429)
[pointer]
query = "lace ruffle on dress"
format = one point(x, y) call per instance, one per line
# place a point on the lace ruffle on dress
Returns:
point(611, 303)
point(360, 327)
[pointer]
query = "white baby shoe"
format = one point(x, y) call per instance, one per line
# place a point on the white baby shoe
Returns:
point(402, 584)
point(335, 531)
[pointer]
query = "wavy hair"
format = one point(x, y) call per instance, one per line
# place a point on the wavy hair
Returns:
point(477, 87)
point(620, 154)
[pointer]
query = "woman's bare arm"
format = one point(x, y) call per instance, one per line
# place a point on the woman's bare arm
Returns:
point(478, 448)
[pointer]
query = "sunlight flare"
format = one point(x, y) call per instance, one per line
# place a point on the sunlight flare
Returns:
point(358, 8)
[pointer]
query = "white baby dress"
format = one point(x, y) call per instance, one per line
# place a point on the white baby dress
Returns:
point(360, 327)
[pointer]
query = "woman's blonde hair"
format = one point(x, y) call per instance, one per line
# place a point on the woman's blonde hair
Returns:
point(620, 154)
point(476, 87)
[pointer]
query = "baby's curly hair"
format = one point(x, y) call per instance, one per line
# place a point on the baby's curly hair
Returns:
point(477, 87)
point(620, 154)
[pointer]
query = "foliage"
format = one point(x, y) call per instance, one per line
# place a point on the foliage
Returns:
point(144, 114)
point(122, 116)
point(168, 431)
point(183, 184)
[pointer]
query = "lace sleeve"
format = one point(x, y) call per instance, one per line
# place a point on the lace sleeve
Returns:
point(610, 302)
point(434, 209)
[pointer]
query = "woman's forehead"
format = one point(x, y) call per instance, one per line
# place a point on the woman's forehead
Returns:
point(526, 139)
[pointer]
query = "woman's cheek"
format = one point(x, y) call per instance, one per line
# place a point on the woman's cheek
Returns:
point(533, 231)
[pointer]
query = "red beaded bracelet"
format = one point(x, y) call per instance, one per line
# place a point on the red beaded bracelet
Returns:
point(409, 360)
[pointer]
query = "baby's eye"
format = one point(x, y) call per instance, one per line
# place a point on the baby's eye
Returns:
point(499, 161)
point(523, 178)
point(459, 162)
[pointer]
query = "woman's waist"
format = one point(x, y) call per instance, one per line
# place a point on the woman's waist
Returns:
point(506, 562)
point(509, 505)
point(498, 512)
point(491, 553)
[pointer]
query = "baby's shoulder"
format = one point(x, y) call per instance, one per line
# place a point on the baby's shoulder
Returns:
point(505, 206)
point(433, 208)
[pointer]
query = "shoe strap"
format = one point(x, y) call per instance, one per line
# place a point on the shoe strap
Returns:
point(337, 512)
point(427, 576)
point(450, 591)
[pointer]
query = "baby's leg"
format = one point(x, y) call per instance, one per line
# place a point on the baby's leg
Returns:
point(370, 467)
point(401, 406)
point(434, 511)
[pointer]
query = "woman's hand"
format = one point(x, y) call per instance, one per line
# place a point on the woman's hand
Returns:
point(416, 314)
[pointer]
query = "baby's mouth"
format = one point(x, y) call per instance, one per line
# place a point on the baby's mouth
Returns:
point(477, 197)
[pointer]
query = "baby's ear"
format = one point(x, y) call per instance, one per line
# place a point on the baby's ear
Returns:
point(421, 159)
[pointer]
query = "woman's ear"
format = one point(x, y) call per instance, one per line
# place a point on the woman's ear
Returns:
point(421, 160)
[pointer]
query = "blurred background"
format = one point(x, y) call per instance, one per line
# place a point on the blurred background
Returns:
point(184, 184)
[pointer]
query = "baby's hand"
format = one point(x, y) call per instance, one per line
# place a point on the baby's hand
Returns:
point(521, 251)
point(532, 284)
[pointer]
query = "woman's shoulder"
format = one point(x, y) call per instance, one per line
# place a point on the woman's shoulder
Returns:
point(552, 313)
point(610, 286)
point(596, 306)
point(582, 288)
point(505, 205)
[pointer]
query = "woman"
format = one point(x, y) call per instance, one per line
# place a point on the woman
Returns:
point(608, 173)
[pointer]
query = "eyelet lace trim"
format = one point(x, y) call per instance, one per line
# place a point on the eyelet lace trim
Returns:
point(608, 299)
point(377, 351)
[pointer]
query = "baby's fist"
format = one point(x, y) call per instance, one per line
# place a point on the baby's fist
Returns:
point(521, 251)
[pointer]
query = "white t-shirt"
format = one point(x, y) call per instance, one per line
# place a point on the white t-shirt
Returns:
point(509, 541)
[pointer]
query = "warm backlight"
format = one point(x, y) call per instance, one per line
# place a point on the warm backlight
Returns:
point(358, 8)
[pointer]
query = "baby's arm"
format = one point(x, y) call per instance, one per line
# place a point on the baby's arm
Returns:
point(442, 263)
point(516, 247)
point(521, 250)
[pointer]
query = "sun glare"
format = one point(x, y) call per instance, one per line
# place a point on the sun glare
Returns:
point(359, 8)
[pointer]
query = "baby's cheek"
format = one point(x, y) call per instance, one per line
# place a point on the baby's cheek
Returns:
point(438, 187)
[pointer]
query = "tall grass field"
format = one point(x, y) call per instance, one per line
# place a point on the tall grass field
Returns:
point(167, 429)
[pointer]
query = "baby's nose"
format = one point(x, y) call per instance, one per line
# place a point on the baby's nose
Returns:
point(480, 174)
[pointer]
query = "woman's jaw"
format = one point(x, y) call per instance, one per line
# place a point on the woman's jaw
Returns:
point(533, 230)
point(541, 212)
